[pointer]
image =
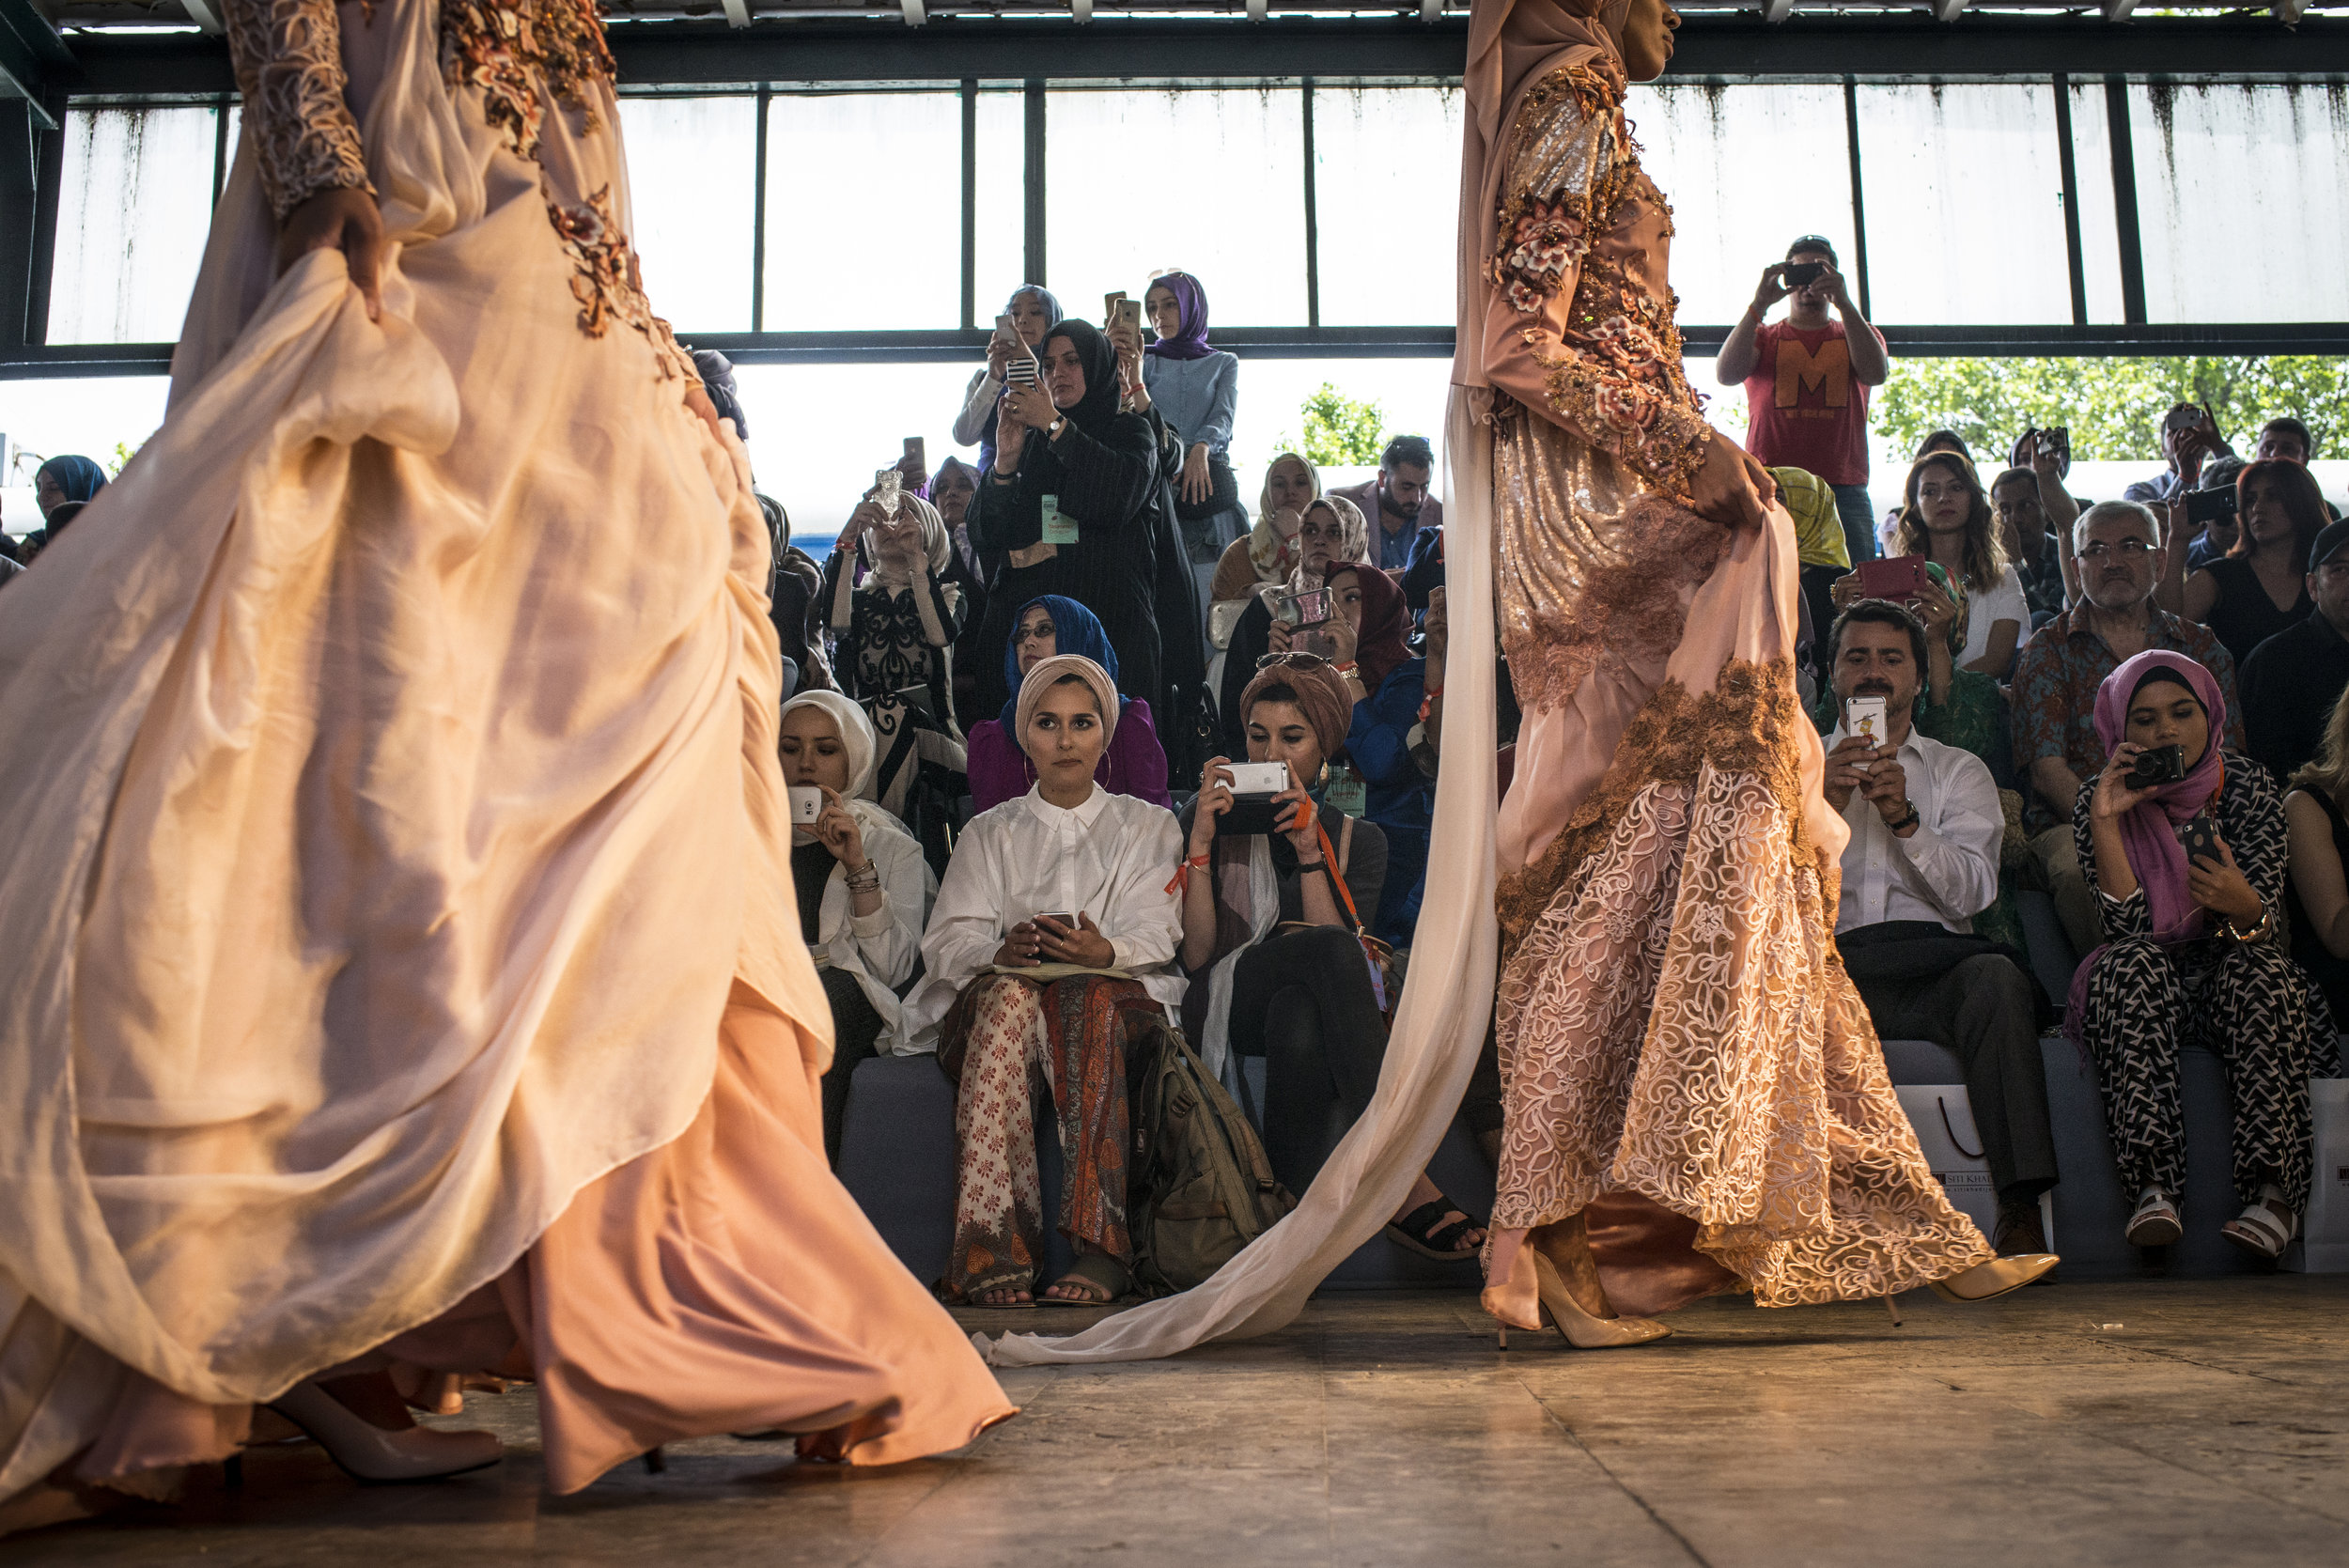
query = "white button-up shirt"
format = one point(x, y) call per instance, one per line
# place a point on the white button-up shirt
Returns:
point(1948, 869)
point(1110, 859)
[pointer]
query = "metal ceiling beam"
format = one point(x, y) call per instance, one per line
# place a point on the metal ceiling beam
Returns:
point(34, 61)
point(1914, 47)
point(1433, 342)
point(1947, 11)
point(206, 14)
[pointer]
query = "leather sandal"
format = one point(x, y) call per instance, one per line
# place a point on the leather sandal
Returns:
point(2156, 1221)
point(2264, 1230)
point(1104, 1278)
point(1424, 1232)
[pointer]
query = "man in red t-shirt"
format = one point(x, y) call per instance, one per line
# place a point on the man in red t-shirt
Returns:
point(1807, 380)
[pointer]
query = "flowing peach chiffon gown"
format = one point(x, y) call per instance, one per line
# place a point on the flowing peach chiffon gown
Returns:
point(403, 959)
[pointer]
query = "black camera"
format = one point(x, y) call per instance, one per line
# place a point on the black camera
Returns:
point(1795, 274)
point(2156, 766)
point(2208, 506)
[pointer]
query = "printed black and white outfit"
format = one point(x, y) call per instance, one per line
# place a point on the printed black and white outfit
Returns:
point(2246, 1002)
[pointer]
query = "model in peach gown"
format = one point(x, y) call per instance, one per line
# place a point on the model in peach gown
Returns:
point(404, 963)
point(1687, 1071)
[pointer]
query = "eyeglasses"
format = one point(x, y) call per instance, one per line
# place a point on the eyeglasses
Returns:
point(2127, 549)
point(1297, 660)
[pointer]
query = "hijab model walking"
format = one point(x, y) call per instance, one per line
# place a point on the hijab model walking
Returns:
point(403, 964)
point(1647, 594)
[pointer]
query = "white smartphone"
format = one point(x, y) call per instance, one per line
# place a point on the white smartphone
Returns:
point(1865, 716)
point(1259, 778)
point(807, 804)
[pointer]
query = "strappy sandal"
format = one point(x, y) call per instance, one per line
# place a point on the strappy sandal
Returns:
point(2257, 1230)
point(2154, 1223)
point(1096, 1271)
point(1424, 1232)
point(971, 1294)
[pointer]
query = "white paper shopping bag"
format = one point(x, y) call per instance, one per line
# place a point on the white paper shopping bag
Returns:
point(1944, 1119)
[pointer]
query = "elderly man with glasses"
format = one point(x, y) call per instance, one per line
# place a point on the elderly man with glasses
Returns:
point(2119, 545)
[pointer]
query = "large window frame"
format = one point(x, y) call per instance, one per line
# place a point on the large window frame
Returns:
point(24, 351)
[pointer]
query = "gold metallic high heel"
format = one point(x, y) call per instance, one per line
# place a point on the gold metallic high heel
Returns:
point(1583, 1330)
point(1986, 1282)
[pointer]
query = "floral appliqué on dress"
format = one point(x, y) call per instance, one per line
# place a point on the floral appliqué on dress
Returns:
point(507, 47)
point(1620, 377)
point(290, 67)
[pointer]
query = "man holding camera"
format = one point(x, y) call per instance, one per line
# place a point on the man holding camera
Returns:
point(1399, 502)
point(2119, 548)
point(1807, 380)
point(1922, 863)
point(2189, 438)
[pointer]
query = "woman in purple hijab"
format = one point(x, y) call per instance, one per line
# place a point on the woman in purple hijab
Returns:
point(2189, 873)
point(1194, 387)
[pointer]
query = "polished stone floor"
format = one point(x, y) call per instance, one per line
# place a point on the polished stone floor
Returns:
point(2134, 1424)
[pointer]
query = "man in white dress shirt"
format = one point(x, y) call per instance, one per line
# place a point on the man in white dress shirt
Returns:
point(1923, 862)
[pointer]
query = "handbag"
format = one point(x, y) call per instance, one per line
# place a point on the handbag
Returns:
point(1222, 492)
point(1384, 986)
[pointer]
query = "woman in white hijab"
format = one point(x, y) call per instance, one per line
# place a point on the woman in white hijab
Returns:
point(863, 889)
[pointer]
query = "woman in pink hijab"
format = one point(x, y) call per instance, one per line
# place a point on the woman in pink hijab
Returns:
point(2189, 872)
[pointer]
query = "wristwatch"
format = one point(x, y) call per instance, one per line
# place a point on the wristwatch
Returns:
point(1052, 431)
point(1911, 820)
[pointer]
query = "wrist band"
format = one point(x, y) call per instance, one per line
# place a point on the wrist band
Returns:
point(1347, 669)
point(1181, 881)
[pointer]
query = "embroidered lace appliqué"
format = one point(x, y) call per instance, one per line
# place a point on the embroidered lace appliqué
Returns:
point(508, 48)
point(1675, 1022)
point(290, 67)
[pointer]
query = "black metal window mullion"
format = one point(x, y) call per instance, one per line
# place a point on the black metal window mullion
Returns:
point(221, 106)
point(1032, 165)
point(759, 213)
point(2124, 217)
point(970, 205)
point(48, 175)
point(1858, 206)
point(2072, 255)
point(1312, 218)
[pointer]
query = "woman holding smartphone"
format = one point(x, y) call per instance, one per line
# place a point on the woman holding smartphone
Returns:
point(1333, 539)
point(1034, 311)
point(2260, 586)
point(862, 886)
point(1269, 941)
point(2190, 874)
point(1050, 946)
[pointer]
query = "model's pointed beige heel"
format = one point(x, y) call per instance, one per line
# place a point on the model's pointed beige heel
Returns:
point(1583, 1330)
point(1988, 1282)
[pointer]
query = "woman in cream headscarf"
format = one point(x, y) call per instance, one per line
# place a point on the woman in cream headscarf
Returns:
point(1331, 536)
point(1052, 943)
point(863, 889)
point(1267, 552)
point(1646, 590)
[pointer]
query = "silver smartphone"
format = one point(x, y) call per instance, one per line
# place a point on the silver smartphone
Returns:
point(807, 804)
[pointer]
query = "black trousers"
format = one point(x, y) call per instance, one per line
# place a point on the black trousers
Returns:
point(1984, 1010)
point(855, 1031)
point(1302, 1001)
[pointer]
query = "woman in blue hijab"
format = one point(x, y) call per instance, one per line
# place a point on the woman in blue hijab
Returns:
point(68, 479)
point(1133, 764)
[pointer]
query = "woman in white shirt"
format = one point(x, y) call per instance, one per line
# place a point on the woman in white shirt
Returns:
point(863, 889)
point(1055, 934)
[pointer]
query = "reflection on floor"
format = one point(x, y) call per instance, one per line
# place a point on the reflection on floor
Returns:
point(2134, 1424)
